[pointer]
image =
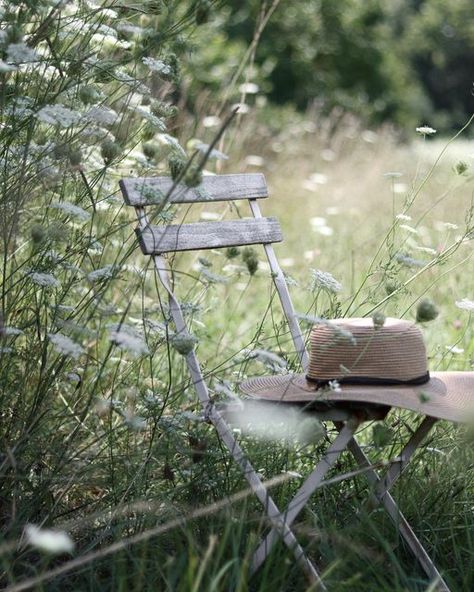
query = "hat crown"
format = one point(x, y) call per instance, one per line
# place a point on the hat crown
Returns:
point(344, 349)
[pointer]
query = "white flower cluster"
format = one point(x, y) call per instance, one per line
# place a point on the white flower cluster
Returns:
point(48, 540)
point(323, 280)
point(127, 338)
point(12, 331)
point(101, 115)
point(465, 304)
point(103, 273)
point(65, 345)
point(20, 53)
point(58, 115)
point(157, 66)
point(71, 210)
point(45, 280)
point(425, 130)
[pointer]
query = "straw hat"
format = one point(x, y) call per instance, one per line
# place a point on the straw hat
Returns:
point(357, 361)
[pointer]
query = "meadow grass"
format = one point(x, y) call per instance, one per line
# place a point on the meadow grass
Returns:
point(101, 435)
point(131, 433)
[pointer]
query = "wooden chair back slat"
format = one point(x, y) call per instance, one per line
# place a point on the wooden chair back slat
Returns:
point(155, 240)
point(147, 191)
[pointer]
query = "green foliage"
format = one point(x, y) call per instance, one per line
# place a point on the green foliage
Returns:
point(407, 62)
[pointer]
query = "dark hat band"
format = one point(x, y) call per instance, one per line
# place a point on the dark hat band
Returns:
point(372, 380)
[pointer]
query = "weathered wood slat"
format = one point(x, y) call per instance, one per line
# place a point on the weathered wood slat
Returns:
point(208, 235)
point(145, 191)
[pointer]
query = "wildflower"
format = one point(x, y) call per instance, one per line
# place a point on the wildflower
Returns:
point(71, 210)
point(249, 88)
point(426, 311)
point(106, 272)
point(127, 339)
point(211, 121)
point(193, 177)
point(323, 280)
point(403, 217)
point(110, 151)
point(101, 115)
point(409, 228)
point(58, 115)
point(409, 261)
point(4, 67)
point(157, 66)
point(382, 435)
point(453, 349)
point(184, 343)
point(254, 160)
point(378, 319)
point(250, 259)
point(460, 167)
point(217, 154)
point(267, 357)
point(11, 331)
point(203, 11)
point(45, 280)
point(465, 304)
point(232, 252)
point(213, 278)
point(425, 130)
point(65, 346)
point(38, 233)
point(134, 422)
point(393, 175)
point(334, 386)
point(20, 53)
point(51, 541)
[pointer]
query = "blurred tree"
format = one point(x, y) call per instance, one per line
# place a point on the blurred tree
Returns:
point(401, 61)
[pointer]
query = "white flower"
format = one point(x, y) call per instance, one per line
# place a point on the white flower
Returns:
point(129, 29)
point(11, 331)
point(106, 272)
point(65, 346)
point(134, 422)
point(409, 228)
point(153, 119)
point(393, 175)
point(465, 304)
point(325, 281)
point(51, 541)
point(157, 66)
point(249, 88)
point(403, 217)
point(269, 358)
point(424, 130)
point(20, 53)
point(453, 349)
point(4, 67)
point(71, 210)
point(58, 115)
point(127, 338)
point(334, 386)
point(101, 115)
point(217, 154)
point(45, 280)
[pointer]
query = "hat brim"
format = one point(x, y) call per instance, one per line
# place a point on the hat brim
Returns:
point(447, 395)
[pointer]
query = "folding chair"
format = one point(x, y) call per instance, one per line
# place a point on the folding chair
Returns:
point(158, 240)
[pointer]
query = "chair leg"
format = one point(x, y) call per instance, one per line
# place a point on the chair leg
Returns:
point(382, 496)
point(280, 526)
point(306, 490)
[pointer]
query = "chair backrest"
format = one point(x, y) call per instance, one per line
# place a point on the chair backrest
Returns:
point(166, 238)
point(156, 191)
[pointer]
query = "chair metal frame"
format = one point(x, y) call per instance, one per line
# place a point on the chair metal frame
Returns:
point(155, 240)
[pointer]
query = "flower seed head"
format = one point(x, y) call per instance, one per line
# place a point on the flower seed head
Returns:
point(426, 311)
